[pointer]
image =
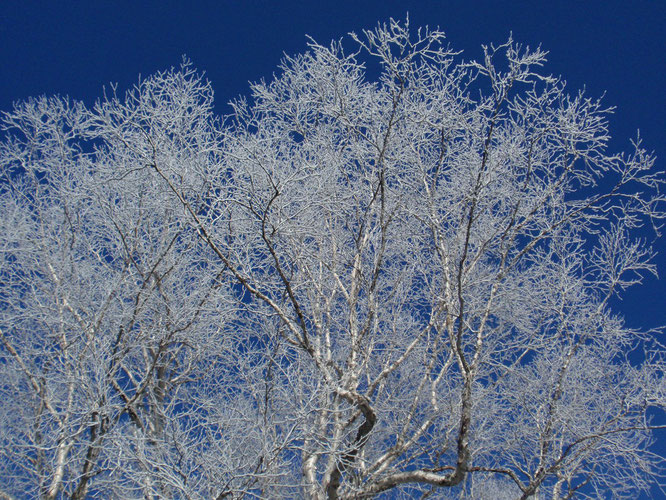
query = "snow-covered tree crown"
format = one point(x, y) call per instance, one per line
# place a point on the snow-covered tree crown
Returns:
point(351, 286)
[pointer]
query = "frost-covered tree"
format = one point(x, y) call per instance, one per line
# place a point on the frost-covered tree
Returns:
point(396, 281)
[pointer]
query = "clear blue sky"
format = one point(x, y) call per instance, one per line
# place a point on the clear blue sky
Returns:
point(74, 48)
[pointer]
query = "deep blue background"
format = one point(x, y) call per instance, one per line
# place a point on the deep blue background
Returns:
point(612, 47)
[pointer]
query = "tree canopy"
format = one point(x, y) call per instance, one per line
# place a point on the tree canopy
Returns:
point(389, 271)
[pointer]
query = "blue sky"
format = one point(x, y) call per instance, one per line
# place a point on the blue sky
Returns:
point(612, 47)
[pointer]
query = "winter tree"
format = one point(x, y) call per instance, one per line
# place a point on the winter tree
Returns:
point(390, 272)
